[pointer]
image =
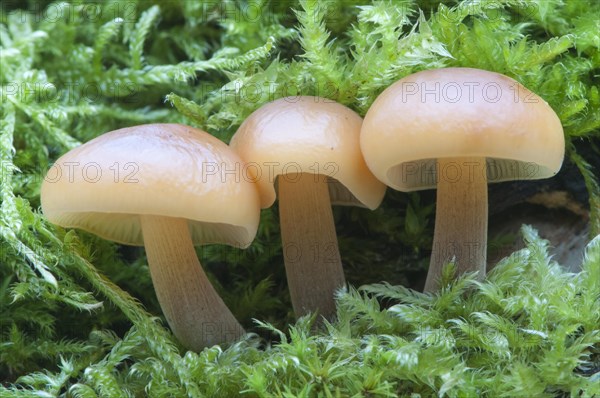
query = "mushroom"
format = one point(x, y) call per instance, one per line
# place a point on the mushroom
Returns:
point(166, 187)
point(309, 148)
point(458, 129)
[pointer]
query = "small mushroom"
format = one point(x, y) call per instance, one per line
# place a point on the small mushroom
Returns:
point(162, 186)
point(458, 129)
point(309, 146)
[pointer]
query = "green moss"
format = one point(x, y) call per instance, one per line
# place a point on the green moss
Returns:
point(78, 316)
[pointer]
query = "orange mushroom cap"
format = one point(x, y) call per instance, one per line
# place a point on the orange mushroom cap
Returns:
point(307, 135)
point(460, 112)
point(168, 170)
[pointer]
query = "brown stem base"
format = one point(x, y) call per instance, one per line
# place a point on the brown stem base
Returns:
point(461, 218)
point(310, 247)
point(196, 314)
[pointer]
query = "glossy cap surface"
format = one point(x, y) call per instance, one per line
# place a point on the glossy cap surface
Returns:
point(460, 112)
point(309, 135)
point(168, 170)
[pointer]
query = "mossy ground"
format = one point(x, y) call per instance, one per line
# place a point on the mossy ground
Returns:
point(78, 316)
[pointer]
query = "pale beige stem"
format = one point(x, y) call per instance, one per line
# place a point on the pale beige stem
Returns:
point(310, 248)
point(461, 218)
point(196, 314)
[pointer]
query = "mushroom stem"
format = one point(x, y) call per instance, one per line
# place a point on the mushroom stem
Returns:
point(310, 248)
point(461, 218)
point(196, 314)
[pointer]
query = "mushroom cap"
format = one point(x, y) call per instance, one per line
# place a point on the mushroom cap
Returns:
point(167, 170)
point(460, 112)
point(309, 135)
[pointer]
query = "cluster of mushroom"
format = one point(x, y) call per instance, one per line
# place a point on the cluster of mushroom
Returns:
point(170, 187)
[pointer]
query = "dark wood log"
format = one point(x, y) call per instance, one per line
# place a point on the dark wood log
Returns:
point(557, 207)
